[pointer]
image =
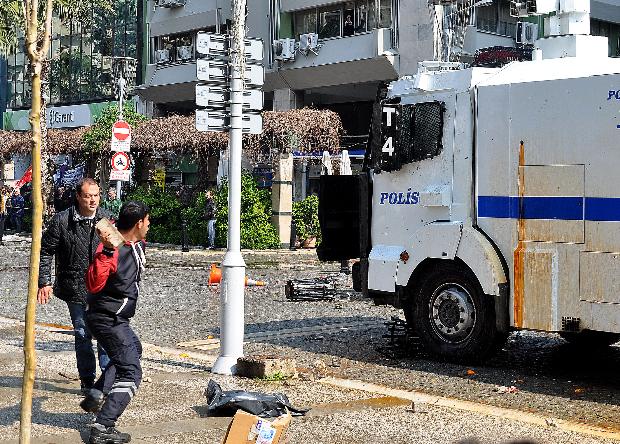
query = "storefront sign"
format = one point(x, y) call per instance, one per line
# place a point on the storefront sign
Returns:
point(73, 116)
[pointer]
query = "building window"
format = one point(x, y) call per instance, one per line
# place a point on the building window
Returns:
point(609, 30)
point(343, 19)
point(305, 22)
point(496, 18)
point(329, 22)
point(81, 53)
point(175, 48)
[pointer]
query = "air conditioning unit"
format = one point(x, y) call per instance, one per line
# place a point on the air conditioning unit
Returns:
point(170, 3)
point(284, 49)
point(527, 33)
point(184, 52)
point(162, 56)
point(308, 42)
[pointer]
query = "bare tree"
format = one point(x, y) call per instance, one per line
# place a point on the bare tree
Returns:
point(36, 49)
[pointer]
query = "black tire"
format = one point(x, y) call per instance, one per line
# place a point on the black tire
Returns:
point(453, 317)
point(589, 338)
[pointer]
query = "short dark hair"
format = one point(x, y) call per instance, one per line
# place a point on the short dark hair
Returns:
point(131, 212)
point(84, 181)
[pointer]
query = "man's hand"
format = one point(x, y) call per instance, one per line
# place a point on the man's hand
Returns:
point(105, 234)
point(44, 294)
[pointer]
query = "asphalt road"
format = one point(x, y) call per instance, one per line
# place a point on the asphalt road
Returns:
point(550, 376)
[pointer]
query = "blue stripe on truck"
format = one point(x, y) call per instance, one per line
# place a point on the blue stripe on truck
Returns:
point(507, 207)
point(559, 208)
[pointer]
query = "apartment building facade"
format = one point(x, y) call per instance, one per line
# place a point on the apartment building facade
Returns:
point(81, 80)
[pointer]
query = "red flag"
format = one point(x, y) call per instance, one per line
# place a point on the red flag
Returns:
point(27, 177)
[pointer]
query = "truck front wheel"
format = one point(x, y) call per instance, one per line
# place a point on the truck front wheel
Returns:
point(453, 317)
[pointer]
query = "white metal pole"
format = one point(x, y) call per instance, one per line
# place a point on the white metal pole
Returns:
point(233, 267)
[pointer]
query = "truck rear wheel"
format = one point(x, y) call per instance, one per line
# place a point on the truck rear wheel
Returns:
point(453, 317)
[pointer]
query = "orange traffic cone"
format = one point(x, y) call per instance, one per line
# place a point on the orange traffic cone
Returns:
point(215, 277)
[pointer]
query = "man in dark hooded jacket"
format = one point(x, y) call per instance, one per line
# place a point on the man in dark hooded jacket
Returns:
point(71, 237)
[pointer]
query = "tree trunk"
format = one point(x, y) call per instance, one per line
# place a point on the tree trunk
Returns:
point(36, 55)
point(35, 255)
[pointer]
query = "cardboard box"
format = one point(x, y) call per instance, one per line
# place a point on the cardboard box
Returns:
point(250, 429)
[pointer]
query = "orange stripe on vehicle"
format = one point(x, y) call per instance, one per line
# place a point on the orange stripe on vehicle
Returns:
point(519, 254)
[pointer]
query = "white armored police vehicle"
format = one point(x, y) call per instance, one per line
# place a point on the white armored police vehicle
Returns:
point(491, 197)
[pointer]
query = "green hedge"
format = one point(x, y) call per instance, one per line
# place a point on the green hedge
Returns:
point(306, 218)
point(257, 232)
point(167, 213)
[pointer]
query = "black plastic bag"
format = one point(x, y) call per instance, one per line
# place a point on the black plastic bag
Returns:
point(265, 405)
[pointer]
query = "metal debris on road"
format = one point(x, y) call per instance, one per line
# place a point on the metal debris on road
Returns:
point(318, 289)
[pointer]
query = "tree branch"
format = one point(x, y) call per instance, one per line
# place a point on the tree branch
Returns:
point(48, 29)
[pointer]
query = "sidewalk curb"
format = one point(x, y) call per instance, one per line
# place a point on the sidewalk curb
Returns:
point(474, 407)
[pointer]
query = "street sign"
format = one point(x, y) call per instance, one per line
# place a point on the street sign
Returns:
point(217, 45)
point(120, 161)
point(252, 123)
point(211, 44)
point(212, 71)
point(254, 49)
point(212, 96)
point(159, 176)
point(253, 99)
point(207, 120)
point(121, 136)
point(254, 75)
point(122, 176)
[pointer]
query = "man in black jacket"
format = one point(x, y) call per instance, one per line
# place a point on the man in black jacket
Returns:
point(72, 239)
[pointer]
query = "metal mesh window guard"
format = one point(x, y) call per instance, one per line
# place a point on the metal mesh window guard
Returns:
point(417, 135)
point(427, 131)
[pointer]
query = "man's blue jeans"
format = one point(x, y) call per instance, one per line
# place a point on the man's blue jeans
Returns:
point(84, 353)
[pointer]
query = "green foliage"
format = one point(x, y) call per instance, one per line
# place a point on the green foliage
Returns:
point(257, 232)
point(165, 214)
point(97, 136)
point(306, 218)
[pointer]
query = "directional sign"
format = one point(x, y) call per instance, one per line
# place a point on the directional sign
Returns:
point(120, 161)
point(253, 99)
point(211, 44)
point(121, 136)
point(212, 96)
point(254, 49)
point(207, 120)
point(252, 123)
point(211, 71)
point(254, 75)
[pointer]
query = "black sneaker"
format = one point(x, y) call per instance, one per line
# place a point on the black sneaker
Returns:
point(100, 434)
point(93, 401)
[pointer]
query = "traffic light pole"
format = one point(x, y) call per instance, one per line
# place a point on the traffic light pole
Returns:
point(233, 267)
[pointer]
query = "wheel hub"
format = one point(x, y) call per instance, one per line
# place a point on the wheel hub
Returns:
point(452, 312)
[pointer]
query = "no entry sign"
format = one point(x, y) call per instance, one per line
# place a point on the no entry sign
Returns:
point(121, 136)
